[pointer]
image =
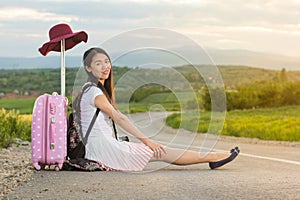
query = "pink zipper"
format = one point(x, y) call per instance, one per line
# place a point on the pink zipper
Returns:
point(45, 130)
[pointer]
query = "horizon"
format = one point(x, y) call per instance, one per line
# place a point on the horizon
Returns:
point(139, 58)
point(57, 54)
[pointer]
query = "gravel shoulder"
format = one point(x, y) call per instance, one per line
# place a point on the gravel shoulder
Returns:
point(15, 168)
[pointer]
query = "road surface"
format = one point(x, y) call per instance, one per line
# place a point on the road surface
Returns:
point(265, 170)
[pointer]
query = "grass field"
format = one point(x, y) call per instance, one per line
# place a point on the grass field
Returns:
point(268, 124)
point(24, 106)
point(167, 100)
point(159, 102)
point(280, 124)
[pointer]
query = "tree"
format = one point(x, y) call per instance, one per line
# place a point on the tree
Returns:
point(283, 76)
point(215, 99)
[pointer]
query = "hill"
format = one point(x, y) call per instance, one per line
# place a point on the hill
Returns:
point(48, 62)
point(235, 75)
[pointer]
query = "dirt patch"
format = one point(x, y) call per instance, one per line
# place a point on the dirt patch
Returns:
point(15, 168)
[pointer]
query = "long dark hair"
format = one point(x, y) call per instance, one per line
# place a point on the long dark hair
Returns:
point(108, 87)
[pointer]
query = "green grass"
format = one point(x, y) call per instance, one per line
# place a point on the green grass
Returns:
point(280, 124)
point(145, 107)
point(268, 124)
point(166, 101)
point(24, 106)
point(168, 97)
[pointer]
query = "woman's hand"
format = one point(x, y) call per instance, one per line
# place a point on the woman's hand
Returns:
point(157, 148)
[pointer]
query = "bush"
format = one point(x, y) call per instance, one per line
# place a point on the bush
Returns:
point(215, 99)
point(13, 126)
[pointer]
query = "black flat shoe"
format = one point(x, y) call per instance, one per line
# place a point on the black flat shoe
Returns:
point(234, 153)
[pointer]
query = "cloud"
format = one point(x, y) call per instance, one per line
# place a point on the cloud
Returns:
point(263, 30)
point(21, 14)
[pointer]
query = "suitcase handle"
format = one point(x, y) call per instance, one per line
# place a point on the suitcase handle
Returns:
point(52, 131)
point(52, 125)
point(52, 108)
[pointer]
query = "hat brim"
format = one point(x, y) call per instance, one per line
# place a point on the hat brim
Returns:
point(71, 40)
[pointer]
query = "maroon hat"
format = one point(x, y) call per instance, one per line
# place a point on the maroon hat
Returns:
point(59, 32)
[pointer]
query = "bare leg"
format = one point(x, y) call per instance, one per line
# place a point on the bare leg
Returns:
point(187, 157)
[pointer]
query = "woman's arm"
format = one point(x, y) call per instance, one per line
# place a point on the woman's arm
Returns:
point(123, 121)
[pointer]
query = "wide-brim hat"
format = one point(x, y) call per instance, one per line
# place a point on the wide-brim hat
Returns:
point(59, 32)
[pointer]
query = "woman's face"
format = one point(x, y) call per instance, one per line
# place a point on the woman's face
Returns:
point(100, 66)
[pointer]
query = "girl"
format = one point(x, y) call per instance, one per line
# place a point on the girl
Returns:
point(119, 155)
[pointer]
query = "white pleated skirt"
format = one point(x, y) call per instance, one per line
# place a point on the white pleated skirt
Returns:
point(118, 155)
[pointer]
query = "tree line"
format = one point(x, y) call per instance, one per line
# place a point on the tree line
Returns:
point(41, 80)
point(275, 91)
point(260, 94)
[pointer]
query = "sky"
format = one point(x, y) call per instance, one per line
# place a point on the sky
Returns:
point(271, 26)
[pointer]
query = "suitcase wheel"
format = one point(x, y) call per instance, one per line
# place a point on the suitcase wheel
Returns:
point(56, 168)
point(37, 166)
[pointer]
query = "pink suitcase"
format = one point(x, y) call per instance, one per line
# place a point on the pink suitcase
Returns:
point(48, 131)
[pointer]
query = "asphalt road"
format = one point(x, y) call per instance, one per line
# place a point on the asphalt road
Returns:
point(263, 170)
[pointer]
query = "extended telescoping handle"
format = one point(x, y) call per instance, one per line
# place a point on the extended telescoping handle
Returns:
point(63, 67)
